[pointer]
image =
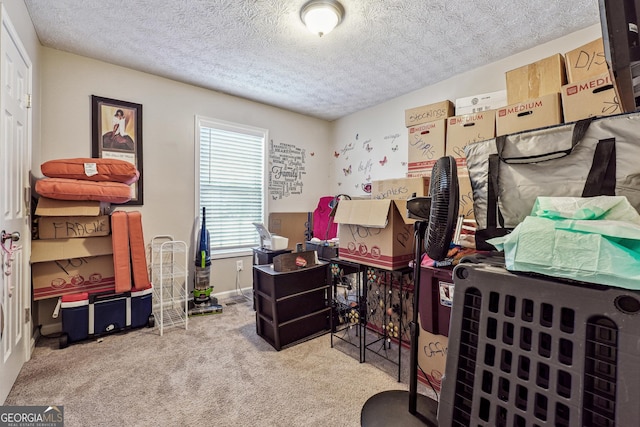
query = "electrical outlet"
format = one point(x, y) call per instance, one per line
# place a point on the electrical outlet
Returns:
point(239, 265)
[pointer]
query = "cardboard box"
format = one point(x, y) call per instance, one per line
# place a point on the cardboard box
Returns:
point(536, 80)
point(586, 62)
point(466, 196)
point(295, 261)
point(590, 98)
point(67, 276)
point(292, 225)
point(531, 114)
point(69, 227)
point(56, 249)
point(428, 113)
point(52, 207)
point(375, 233)
point(482, 102)
point(400, 188)
point(466, 129)
point(426, 145)
point(432, 358)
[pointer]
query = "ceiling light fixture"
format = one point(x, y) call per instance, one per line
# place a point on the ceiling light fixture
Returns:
point(321, 16)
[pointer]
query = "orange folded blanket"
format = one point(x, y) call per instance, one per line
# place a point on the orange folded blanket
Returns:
point(138, 253)
point(76, 189)
point(91, 169)
point(121, 257)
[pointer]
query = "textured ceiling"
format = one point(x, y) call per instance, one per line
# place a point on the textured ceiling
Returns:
point(260, 50)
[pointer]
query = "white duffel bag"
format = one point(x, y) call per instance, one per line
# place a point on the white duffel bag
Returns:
point(591, 157)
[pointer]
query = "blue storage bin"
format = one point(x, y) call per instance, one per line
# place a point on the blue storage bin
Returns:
point(87, 315)
point(74, 309)
point(108, 312)
point(141, 307)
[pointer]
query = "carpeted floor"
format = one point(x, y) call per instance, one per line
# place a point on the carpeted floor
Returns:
point(218, 372)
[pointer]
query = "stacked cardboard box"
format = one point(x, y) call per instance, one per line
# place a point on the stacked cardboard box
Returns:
point(73, 252)
point(533, 94)
point(590, 98)
point(467, 129)
point(427, 129)
point(428, 113)
point(432, 358)
point(531, 114)
point(590, 91)
point(586, 61)
point(536, 79)
point(482, 102)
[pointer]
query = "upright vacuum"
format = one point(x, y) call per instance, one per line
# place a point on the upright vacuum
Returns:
point(203, 302)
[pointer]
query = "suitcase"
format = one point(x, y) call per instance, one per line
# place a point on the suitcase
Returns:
point(87, 315)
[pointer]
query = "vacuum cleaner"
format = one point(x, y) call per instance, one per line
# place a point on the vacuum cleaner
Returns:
point(203, 302)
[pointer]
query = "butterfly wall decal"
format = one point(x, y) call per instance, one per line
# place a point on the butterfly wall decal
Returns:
point(347, 171)
point(383, 161)
point(336, 154)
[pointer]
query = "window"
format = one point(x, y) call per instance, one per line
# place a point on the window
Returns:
point(231, 182)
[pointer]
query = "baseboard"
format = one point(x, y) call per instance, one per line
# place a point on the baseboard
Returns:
point(34, 339)
point(51, 329)
point(234, 293)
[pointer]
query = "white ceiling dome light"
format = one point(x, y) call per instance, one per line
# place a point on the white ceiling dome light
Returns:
point(321, 16)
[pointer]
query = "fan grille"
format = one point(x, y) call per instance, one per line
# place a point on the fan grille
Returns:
point(443, 190)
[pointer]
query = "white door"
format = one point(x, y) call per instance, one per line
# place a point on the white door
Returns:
point(15, 159)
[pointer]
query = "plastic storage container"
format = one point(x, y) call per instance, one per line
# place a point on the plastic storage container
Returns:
point(436, 299)
point(535, 351)
point(87, 315)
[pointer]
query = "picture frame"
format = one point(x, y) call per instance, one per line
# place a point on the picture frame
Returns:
point(117, 134)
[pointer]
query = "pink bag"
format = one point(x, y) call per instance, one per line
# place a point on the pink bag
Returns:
point(323, 226)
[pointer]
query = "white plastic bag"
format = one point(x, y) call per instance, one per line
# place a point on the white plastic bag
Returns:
point(593, 240)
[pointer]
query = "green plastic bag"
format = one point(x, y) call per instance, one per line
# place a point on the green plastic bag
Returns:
point(594, 239)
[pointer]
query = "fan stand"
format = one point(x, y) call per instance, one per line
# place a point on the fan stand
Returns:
point(390, 407)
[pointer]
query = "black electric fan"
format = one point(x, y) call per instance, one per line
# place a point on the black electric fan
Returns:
point(436, 217)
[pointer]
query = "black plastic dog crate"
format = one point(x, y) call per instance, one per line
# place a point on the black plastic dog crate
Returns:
point(534, 351)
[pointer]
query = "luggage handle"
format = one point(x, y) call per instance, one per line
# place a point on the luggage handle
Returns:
point(601, 180)
point(579, 130)
point(99, 296)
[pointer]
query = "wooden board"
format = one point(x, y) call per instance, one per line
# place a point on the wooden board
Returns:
point(291, 225)
point(288, 262)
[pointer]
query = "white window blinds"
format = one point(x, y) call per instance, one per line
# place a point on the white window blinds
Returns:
point(231, 182)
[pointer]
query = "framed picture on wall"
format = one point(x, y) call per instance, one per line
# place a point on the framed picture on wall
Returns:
point(117, 134)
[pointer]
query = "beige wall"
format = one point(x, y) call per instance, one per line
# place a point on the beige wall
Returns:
point(169, 110)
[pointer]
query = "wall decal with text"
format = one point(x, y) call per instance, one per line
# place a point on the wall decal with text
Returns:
point(287, 167)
